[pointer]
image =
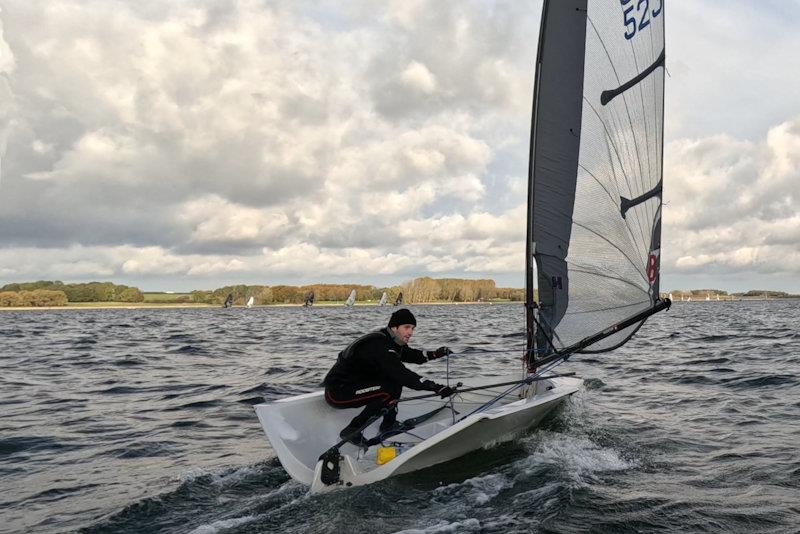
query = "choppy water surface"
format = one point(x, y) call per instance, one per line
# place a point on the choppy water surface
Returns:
point(142, 421)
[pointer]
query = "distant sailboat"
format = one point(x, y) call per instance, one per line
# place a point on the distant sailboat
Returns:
point(228, 301)
point(670, 296)
point(250, 302)
point(351, 299)
point(309, 299)
point(399, 300)
point(383, 299)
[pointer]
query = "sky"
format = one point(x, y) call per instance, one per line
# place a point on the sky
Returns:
point(194, 144)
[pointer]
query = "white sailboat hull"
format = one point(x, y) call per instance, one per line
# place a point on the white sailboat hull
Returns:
point(301, 428)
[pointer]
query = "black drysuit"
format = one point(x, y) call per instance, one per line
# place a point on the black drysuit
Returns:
point(370, 372)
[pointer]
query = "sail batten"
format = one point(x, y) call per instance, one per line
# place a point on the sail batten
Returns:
point(595, 178)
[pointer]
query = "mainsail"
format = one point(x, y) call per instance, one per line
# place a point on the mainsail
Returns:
point(595, 177)
point(383, 299)
point(351, 299)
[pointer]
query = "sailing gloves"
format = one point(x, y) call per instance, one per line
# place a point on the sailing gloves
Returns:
point(438, 353)
point(442, 391)
point(446, 391)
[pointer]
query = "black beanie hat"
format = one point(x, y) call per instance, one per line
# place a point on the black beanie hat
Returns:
point(402, 316)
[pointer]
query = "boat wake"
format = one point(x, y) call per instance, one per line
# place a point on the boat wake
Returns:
point(223, 525)
point(468, 525)
point(578, 460)
point(556, 461)
point(478, 490)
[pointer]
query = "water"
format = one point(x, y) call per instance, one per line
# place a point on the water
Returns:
point(141, 421)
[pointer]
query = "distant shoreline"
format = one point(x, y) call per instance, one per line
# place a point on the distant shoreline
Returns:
point(189, 305)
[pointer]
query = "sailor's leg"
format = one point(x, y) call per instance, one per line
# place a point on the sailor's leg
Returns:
point(373, 397)
point(383, 398)
point(390, 418)
point(370, 410)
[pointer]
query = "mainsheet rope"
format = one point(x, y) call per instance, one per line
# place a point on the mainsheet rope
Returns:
point(480, 351)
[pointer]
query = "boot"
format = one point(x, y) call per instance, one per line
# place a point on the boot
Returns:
point(352, 435)
point(389, 420)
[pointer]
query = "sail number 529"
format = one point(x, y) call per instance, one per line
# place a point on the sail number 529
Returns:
point(637, 15)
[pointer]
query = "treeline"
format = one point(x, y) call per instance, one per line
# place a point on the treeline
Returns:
point(418, 290)
point(701, 294)
point(763, 293)
point(47, 293)
point(427, 289)
point(282, 294)
point(37, 298)
point(698, 293)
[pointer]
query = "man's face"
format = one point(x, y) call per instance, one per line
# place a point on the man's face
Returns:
point(403, 333)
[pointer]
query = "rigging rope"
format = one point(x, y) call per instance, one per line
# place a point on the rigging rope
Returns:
point(480, 351)
point(524, 382)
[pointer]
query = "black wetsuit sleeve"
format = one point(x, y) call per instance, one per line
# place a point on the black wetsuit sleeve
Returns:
point(397, 372)
point(387, 360)
point(410, 355)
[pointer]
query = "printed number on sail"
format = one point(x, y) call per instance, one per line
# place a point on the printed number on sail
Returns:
point(631, 9)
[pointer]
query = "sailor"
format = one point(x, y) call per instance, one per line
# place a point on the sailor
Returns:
point(370, 373)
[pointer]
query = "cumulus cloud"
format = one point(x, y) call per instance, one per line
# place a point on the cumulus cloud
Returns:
point(250, 140)
point(147, 108)
point(417, 76)
point(463, 56)
point(734, 206)
point(214, 219)
point(244, 140)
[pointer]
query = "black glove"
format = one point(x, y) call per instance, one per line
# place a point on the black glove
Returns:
point(439, 353)
point(446, 391)
point(441, 390)
point(430, 385)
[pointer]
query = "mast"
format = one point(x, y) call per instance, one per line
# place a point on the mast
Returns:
point(530, 298)
point(553, 160)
